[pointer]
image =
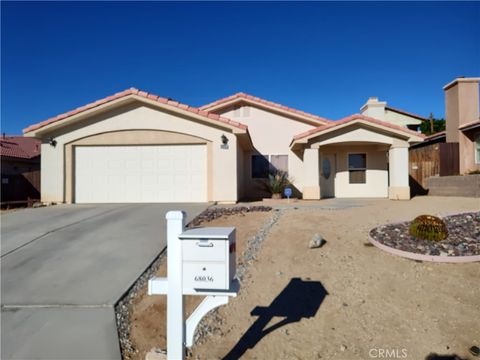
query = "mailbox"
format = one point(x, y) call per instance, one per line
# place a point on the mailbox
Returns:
point(208, 256)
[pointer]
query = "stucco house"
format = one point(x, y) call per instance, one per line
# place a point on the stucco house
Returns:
point(462, 111)
point(462, 120)
point(20, 169)
point(137, 147)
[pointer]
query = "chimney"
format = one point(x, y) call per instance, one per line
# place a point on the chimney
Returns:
point(461, 105)
point(374, 108)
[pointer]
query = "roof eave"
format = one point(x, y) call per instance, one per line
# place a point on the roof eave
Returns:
point(284, 110)
point(411, 138)
point(470, 126)
point(41, 131)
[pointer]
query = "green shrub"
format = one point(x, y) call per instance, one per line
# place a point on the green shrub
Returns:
point(428, 227)
point(277, 182)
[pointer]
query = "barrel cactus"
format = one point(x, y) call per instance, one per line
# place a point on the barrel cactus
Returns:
point(428, 227)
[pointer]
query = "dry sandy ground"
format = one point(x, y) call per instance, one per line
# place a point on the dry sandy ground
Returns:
point(343, 301)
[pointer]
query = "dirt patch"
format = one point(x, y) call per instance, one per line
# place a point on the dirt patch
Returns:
point(342, 301)
point(356, 301)
point(148, 313)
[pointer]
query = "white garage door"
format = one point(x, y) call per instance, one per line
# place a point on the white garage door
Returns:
point(140, 174)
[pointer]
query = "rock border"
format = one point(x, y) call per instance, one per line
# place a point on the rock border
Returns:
point(423, 257)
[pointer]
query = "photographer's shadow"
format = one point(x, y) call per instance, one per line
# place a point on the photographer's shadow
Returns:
point(299, 299)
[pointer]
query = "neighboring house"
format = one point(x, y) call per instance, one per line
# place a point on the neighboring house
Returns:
point(462, 116)
point(463, 121)
point(138, 147)
point(20, 168)
point(379, 110)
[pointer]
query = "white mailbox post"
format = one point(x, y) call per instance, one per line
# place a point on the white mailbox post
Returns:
point(200, 261)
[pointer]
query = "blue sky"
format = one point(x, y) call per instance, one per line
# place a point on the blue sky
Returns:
point(324, 58)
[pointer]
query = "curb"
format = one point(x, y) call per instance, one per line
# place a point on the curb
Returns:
point(422, 257)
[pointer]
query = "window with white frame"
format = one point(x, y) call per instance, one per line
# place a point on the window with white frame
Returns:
point(357, 168)
point(262, 165)
point(477, 149)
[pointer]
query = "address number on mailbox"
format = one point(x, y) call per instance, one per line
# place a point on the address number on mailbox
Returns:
point(208, 256)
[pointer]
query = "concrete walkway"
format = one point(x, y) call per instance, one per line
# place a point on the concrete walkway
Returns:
point(64, 268)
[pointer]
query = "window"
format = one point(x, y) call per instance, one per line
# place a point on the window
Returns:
point(262, 165)
point(279, 162)
point(477, 149)
point(357, 168)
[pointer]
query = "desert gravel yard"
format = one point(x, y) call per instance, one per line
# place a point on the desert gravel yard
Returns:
point(345, 300)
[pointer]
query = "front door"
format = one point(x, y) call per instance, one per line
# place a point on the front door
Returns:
point(327, 175)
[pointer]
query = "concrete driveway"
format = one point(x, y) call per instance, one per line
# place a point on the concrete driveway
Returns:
point(63, 268)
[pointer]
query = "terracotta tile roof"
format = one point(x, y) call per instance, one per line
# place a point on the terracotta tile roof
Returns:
point(354, 117)
point(19, 147)
point(144, 94)
point(436, 135)
point(470, 124)
point(406, 113)
point(245, 96)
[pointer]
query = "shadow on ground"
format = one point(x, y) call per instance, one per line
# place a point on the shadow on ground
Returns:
point(443, 357)
point(298, 300)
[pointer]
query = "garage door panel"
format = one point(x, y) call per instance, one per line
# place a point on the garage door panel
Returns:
point(163, 173)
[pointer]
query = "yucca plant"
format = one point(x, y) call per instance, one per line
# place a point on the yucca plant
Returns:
point(277, 182)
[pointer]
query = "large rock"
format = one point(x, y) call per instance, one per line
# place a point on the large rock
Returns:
point(316, 242)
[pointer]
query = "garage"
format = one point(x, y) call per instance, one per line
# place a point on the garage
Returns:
point(140, 174)
point(137, 147)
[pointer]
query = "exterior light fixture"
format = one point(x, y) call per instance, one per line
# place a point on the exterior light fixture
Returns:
point(224, 142)
point(52, 141)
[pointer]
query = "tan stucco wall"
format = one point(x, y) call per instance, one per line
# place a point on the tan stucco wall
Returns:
point(352, 134)
point(271, 134)
point(222, 169)
point(461, 107)
point(400, 119)
point(452, 114)
point(376, 175)
point(398, 171)
point(240, 172)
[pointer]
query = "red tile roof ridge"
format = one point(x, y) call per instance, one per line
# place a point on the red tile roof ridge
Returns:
point(352, 118)
point(144, 94)
point(242, 95)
